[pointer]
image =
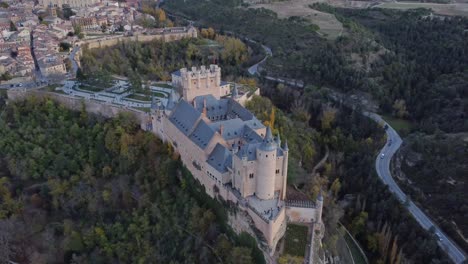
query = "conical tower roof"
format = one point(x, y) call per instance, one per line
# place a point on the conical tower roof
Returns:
point(171, 101)
point(268, 143)
point(235, 93)
point(320, 195)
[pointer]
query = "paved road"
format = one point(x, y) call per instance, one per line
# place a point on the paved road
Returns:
point(382, 165)
point(72, 59)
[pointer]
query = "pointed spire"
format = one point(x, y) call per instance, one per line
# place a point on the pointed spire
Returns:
point(285, 148)
point(278, 140)
point(268, 143)
point(171, 101)
point(235, 148)
point(235, 93)
point(268, 136)
point(320, 196)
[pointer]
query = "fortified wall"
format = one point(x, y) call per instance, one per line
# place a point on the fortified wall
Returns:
point(164, 34)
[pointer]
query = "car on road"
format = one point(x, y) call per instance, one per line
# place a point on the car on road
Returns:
point(385, 127)
point(382, 156)
point(439, 237)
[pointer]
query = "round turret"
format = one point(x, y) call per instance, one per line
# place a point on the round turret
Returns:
point(266, 166)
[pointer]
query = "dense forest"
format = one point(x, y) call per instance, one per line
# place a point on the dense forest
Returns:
point(426, 67)
point(76, 188)
point(313, 123)
point(156, 60)
point(442, 159)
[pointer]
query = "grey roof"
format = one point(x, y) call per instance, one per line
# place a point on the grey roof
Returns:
point(234, 108)
point(249, 151)
point(235, 93)
point(184, 117)
point(225, 109)
point(176, 73)
point(202, 134)
point(224, 83)
point(215, 109)
point(250, 135)
point(220, 158)
point(232, 128)
point(268, 143)
point(278, 140)
point(320, 195)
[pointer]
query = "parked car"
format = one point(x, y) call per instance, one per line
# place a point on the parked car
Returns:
point(382, 156)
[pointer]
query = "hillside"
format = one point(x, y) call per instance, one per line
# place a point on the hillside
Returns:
point(434, 174)
point(76, 188)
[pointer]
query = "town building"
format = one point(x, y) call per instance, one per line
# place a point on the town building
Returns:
point(71, 3)
point(230, 152)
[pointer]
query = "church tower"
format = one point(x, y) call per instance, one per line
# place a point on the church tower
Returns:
point(266, 166)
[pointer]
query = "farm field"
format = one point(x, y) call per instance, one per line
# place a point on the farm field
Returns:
point(330, 27)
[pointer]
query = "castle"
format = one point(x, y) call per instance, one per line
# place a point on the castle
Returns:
point(230, 152)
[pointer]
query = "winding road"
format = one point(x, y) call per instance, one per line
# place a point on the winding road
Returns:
point(71, 56)
point(382, 165)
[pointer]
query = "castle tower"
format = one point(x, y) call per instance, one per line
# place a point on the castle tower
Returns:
point(197, 82)
point(52, 10)
point(266, 165)
point(318, 210)
point(285, 168)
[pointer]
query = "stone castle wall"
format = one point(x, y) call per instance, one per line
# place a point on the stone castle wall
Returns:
point(114, 40)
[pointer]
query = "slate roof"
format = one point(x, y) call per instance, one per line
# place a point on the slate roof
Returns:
point(184, 117)
point(225, 108)
point(240, 123)
point(202, 134)
point(220, 158)
point(232, 128)
point(268, 143)
point(249, 151)
point(176, 73)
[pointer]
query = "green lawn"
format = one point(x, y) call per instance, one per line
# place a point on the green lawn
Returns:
point(357, 256)
point(400, 125)
point(144, 109)
point(295, 240)
point(160, 94)
point(90, 88)
point(163, 85)
point(139, 97)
